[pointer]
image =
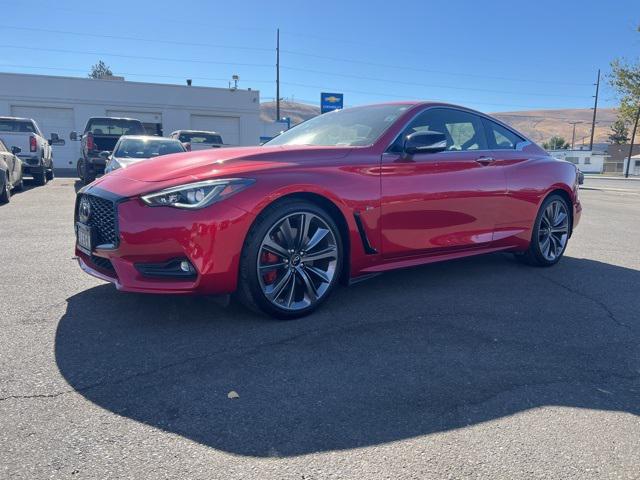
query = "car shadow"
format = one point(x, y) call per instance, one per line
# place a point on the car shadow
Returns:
point(406, 354)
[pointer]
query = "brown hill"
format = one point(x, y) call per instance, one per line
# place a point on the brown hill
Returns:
point(539, 125)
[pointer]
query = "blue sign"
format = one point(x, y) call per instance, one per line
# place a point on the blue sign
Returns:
point(330, 102)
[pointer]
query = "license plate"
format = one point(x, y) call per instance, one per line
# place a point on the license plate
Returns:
point(84, 234)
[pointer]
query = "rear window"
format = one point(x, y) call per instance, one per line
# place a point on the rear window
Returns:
point(114, 126)
point(147, 148)
point(18, 126)
point(194, 137)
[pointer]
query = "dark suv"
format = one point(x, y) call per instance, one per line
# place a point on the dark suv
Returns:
point(100, 136)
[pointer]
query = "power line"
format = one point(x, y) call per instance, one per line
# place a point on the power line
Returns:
point(132, 74)
point(425, 70)
point(389, 95)
point(137, 39)
point(400, 82)
point(139, 57)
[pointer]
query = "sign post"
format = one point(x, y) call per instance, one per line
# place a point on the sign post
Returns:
point(331, 101)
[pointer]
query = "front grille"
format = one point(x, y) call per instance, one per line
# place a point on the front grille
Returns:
point(103, 263)
point(103, 218)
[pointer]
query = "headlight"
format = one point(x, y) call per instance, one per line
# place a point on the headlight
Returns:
point(197, 195)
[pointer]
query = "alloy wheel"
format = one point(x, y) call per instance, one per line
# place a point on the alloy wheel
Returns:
point(553, 230)
point(297, 261)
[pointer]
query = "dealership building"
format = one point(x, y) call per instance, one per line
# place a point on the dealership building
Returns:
point(63, 104)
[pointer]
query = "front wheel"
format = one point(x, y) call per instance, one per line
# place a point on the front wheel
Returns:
point(291, 260)
point(550, 233)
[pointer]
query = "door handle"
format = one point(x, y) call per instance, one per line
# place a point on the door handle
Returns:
point(485, 160)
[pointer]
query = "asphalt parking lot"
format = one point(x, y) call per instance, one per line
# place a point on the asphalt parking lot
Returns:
point(476, 368)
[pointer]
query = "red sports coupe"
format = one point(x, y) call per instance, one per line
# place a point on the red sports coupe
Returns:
point(343, 196)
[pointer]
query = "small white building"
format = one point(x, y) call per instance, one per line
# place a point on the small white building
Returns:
point(634, 168)
point(588, 161)
point(63, 104)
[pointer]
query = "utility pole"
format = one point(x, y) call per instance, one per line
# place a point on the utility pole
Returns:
point(278, 75)
point(573, 137)
point(595, 109)
point(633, 136)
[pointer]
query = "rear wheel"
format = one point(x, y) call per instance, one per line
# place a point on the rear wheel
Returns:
point(291, 260)
point(50, 174)
point(5, 188)
point(550, 233)
point(85, 172)
point(40, 176)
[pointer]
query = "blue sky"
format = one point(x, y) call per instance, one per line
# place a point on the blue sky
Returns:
point(490, 55)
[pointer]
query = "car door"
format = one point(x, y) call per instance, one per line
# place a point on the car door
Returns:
point(445, 201)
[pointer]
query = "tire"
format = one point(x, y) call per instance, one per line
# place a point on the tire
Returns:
point(40, 178)
point(50, 175)
point(284, 274)
point(86, 173)
point(550, 233)
point(5, 189)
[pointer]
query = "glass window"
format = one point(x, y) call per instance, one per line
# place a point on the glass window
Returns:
point(358, 126)
point(500, 138)
point(463, 130)
point(200, 137)
point(587, 160)
point(114, 126)
point(22, 126)
point(147, 147)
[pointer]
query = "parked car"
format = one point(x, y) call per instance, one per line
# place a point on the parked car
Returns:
point(35, 150)
point(345, 195)
point(197, 139)
point(100, 135)
point(10, 172)
point(132, 149)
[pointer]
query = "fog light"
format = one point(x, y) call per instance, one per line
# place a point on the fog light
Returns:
point(185, 266)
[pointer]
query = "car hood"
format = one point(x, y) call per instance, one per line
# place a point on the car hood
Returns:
point(225, 162)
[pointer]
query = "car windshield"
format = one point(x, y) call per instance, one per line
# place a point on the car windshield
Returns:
point(114, 126)
point(147, 148)
point(22, 126)
point(357, 126)
point(200, 137)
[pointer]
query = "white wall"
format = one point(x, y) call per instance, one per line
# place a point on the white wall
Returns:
point(175, 105)
point(587, 161)
point(634, 169)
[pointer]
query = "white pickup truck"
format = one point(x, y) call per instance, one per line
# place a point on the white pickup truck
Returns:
point(36, 154)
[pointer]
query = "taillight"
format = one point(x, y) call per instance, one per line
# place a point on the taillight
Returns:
point(33, 146)
point(90, 143)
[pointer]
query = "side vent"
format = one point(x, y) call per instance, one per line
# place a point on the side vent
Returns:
point(369, 250)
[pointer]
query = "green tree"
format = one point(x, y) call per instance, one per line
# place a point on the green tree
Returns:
point(619, 132)
point(625, 79)
point(100, 70)
point(556, 143)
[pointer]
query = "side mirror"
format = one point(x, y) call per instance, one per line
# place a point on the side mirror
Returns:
point(16, 150)
point(73, 136)
point(105, 154)
point(425, 142)
point(56, 140)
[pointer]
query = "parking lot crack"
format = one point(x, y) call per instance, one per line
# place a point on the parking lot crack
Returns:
point(600, 303)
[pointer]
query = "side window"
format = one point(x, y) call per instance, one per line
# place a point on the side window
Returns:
point(464, 131)
point(500, 138)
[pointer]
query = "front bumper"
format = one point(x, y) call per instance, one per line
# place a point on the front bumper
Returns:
point(211, 239)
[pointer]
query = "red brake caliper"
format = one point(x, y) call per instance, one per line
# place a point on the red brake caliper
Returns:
point(270, 276)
